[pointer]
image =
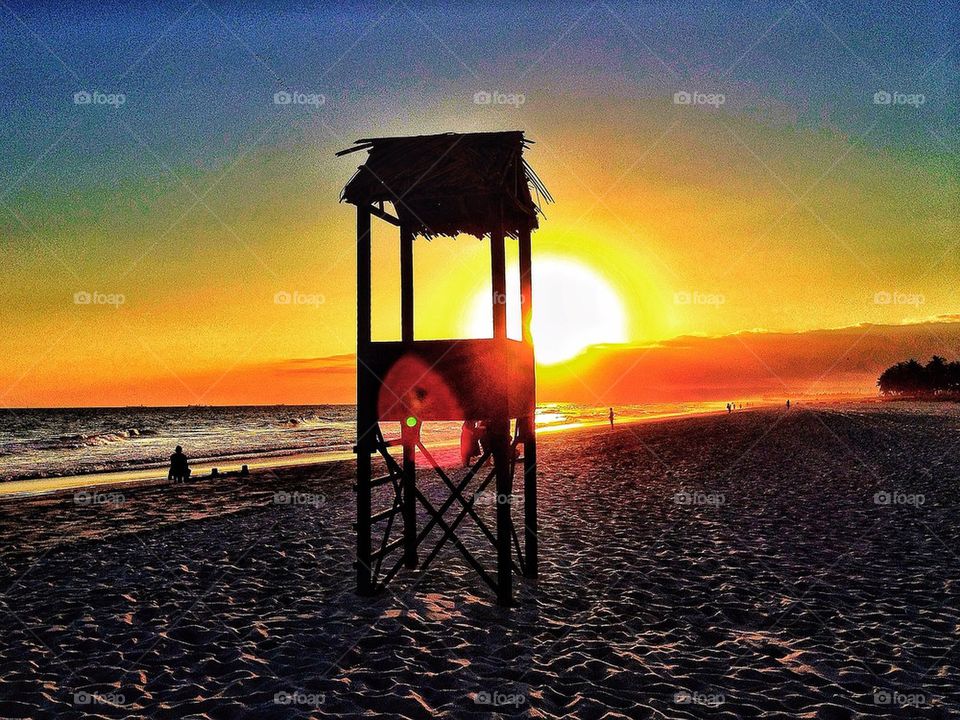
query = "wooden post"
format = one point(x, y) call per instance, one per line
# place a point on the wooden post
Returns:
point(406, 283)
point(363, 278)
point(366, 406)
point(499, 428)
point(526, 283)
point(499, 433)
point(498, 277)
point(530, 539)
point(409, 436)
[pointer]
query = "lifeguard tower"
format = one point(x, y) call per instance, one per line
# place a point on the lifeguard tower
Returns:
point(445, 185)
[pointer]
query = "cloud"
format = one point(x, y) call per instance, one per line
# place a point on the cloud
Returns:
point(744, 365)
point(750, 364)
point(333, 364)
point(747, 364)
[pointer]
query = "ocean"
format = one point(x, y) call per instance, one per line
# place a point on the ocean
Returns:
point(43, 443)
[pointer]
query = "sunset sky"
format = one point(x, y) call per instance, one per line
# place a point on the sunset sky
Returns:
point(803, 227)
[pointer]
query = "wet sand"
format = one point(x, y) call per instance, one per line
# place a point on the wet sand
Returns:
point(801, 564)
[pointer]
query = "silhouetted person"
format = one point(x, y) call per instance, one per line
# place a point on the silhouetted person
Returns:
point(788, 403)
point(469, 442)
point(611, 417)
point(179, 469)
point(729, 409)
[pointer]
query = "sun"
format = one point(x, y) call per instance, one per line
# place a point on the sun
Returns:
point(573, 308)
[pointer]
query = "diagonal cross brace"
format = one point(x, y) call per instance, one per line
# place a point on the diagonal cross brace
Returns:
point(456, 541)
point(458, 496)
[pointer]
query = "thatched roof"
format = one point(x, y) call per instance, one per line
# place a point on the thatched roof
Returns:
point(451, 183)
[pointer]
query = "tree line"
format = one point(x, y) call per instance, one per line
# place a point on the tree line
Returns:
point(937, 378)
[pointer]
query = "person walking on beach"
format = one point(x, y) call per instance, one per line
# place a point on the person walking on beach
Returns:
point(788, 403)
point(729, 409)
point(611, 417)
point(179, 469)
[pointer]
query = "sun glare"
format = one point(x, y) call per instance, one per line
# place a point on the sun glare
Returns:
point(573, 308)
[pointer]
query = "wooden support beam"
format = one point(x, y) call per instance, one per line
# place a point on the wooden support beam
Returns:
point(530, 529)
point(384, 215)
point(498, 275)
point(456, 493)
point(499, 432)
point(383, 480)
point(406, 283)
point(467, 555)
point(526, 283)
point(384, 514)
point(366, 417)
point(387, 549)
point(411, 438)
point(363, 278)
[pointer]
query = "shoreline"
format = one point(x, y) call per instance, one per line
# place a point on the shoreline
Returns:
point(157, 476)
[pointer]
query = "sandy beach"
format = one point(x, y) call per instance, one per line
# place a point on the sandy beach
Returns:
point(775, 564)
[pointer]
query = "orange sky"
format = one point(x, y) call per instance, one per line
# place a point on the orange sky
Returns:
point(796, 206)
point(750, 365)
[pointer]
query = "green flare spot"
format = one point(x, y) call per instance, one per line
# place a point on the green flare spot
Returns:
point(411, 421)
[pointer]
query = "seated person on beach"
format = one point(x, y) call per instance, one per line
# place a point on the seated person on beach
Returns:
point(179, 470)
